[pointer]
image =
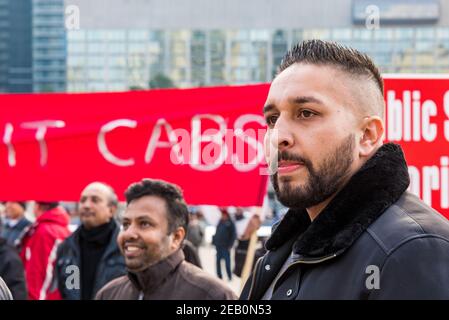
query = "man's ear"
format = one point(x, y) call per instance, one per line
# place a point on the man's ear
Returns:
point(113, 208)
point(372, 135)
point(178, 235)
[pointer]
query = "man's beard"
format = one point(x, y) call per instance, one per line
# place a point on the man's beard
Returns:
point(322, 182)
point(152, 254)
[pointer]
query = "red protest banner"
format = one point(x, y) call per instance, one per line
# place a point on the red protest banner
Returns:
point(209, 141)
point(417, 118)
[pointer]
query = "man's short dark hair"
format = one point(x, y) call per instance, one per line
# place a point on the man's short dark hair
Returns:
point(177, 210)
point(319, 52)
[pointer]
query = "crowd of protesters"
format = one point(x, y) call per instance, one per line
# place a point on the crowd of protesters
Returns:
point(352, 229)
point(143, 254)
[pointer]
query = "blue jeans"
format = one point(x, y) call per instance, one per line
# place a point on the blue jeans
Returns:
point(224, 253)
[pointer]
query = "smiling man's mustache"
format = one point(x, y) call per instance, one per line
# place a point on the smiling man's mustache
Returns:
point(134, 243)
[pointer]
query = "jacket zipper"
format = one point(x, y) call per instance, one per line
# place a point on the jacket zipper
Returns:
point(312, 261)
point(254, 277)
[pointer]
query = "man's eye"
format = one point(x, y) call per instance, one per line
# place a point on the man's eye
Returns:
point(145, 224)
point(306, 114)
point(271, 119)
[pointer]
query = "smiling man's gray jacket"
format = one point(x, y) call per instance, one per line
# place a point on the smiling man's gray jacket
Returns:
point(374, 240)
point(171, 278)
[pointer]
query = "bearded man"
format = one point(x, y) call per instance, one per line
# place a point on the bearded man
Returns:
point(352, 231)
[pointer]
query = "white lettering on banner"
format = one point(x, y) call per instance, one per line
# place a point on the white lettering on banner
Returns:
point(246, 137)
point(189, 149)
point(429, 130)
point(446, 112)
point(431, 182)
point(9, 129)
point(416, 116)
point(103, 148)
point(408, 120)
point(415, 180)
point(444, 182)
point(431, 178)
point(41, 130)
point(394, 117)
point(155, 143)
point(215, 136)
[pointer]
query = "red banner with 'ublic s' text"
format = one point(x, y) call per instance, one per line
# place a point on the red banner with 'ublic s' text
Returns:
point(417, 117)
point(209, 141)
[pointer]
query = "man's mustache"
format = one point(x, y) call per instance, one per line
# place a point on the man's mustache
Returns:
point(286, 156)
point(134, 243)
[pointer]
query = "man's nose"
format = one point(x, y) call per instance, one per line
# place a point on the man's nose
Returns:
point(281, 136)
point(86, 204)
point(130, 233)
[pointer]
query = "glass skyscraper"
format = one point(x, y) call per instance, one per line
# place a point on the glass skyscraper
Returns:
point(32, 46)
point(15, 46)
point(49, 46)
point(109, 60)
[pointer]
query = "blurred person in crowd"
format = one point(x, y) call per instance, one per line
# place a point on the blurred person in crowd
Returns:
point(153, 229)
point(191, 253)
point(38, 244)
point(73, 211)
point(15, 221)
point(195, 232)
point(352, 231)
point(193, 239)
point(5, 294)
point(92, 248)
point(11, 270)
point(246, 224)
point(223, 240)
point(2, 210)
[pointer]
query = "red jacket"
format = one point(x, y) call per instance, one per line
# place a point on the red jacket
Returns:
point(38, 253)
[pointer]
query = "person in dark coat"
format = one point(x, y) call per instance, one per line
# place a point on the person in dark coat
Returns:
point(223, 240)
point(191, 253)
point(352, 231)
point(90, 257)
point(15, 221)
point(11, 270)
point(5, 293)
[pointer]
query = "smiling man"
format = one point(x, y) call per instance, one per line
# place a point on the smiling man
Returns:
point(153, 229)
point(90, 257)
point(353, 230)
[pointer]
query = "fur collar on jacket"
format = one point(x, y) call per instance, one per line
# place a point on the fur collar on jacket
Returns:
point(374, 188)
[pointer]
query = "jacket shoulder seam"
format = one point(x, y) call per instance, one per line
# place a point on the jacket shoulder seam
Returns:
point(382, 244)
point(376, 239)
point(196, 285)
point(406, 213)
point(418, 236)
